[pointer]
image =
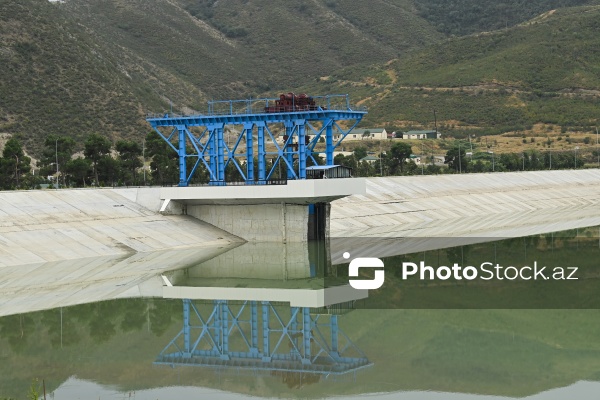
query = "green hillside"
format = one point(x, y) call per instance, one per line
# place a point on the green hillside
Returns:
point(98, 66)
point(240, 48)
point(463, 17)
point(544, 71)
point(79, 67)
point(56, 79)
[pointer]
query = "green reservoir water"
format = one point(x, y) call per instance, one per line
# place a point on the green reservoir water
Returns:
point(410, 339)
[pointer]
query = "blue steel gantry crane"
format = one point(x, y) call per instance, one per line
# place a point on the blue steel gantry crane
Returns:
point(201, 137)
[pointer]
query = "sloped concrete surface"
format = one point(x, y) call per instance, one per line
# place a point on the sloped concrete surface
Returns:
point(51, 226)
point(34, 287)
point(490, 205)
point(68, 247)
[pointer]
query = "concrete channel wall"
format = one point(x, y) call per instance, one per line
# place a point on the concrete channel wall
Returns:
point(64, 247)
point(54, 225)
point(490, 205)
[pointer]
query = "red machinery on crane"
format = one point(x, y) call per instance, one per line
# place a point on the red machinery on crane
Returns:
point(290, 102)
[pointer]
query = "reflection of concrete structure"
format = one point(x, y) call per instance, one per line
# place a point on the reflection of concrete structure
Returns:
point(294, 273)
point(259, 261)
point(313, 298)
point(34, 287)
point(233, 335)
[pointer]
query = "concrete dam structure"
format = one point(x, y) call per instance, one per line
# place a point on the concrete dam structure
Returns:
point(64, 247)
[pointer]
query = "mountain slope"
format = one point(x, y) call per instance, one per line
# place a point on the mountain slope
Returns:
point(546, 70)
point(238, 48)
point(80, 67)
point(57, 80)
point(463, 17)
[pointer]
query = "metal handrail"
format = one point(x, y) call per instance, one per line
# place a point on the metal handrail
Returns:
point(270, 182)
point(258, 106)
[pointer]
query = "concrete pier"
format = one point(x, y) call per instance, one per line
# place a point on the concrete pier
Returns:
point(263, 213)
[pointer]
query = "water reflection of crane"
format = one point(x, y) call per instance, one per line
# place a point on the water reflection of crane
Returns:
point(298, 344)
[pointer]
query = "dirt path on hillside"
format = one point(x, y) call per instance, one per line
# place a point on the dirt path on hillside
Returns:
point(472, 89)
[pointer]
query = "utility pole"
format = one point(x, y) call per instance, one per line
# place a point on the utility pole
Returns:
point(432, 157)
point(144, 159)
point(471, 144)
point(459, 160)
point(422, 154)
point(597, 152)
point(380, 159)
point(56, 153)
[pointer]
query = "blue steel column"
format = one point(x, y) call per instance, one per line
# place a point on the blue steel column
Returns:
point(294, 328)
point(262, 153)
point(329, 142)
point(335, 337)
point(266, 351)
point(301, 149)
point(186, 327)
point(182, 157)
point(220, 155)
point(306, 325)
point(254, 328)
point(217, 327)
point(225, 329)
point(248, 127)
point(212, 152)
point(289, 150)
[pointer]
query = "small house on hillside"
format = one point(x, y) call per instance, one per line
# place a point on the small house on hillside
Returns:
point(417, 135)
point(365, 134)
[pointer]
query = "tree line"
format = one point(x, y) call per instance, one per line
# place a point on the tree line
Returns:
point(123, 164)
point(399, 161)
point(99, 164)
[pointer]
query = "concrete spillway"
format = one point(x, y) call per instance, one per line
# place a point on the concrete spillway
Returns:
point(400, 215)
point(63, 247)
point(491, 205)
point(66, 247)
point(49, 226)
